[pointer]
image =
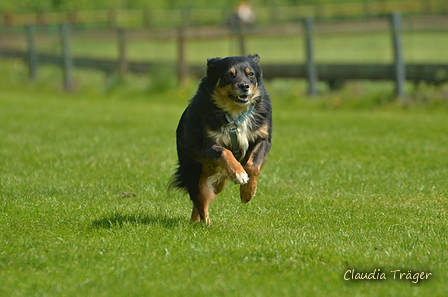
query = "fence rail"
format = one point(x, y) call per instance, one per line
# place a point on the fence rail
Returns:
point(132, 18)
point(327, 72)
point(312, 71)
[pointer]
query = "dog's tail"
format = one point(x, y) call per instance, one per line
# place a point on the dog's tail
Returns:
point(176, 181)
point(186, 178)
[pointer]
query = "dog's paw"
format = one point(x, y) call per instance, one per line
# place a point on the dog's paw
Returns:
point(241, 178)
point(247, 191)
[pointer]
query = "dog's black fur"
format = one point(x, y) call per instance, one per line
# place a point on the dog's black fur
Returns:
point(231, 86)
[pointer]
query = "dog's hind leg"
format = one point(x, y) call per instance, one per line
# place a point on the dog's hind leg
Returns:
point(201, 209)
point(220, 184)
point(205, 196)
point(195, 217)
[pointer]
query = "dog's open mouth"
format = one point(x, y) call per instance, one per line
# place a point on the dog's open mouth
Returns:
point(242, 99)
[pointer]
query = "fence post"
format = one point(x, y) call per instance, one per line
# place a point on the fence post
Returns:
point(41, 19)
point(113, 18)
point(123, 64)
point(311, 69)
point(242, 42)
point(32, 54)
point(8, 19)
point(72, 18)
point(399, 66)
point(182, 64)
point(241, 31)
point(368, 9)
point(147, 18)
point(67, 57)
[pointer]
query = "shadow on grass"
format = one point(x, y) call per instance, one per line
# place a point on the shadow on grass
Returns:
point(118, 220)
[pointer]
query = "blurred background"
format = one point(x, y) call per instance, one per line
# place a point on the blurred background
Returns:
point(350, 39)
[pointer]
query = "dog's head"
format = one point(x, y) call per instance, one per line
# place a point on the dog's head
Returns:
point(236, 80)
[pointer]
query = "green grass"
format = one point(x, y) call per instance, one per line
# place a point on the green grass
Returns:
point(84, 209)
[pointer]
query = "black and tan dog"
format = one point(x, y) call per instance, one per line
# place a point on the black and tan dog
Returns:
point(224, 133)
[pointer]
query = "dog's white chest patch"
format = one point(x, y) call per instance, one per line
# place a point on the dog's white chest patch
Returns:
point(244, 137)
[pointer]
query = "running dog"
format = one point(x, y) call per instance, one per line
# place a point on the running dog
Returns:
point(224, 133)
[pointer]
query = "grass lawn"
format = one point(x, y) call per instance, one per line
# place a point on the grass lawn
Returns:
point(84, 209)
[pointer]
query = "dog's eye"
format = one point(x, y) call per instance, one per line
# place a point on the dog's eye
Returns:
point(251, 73)
point(230, 75)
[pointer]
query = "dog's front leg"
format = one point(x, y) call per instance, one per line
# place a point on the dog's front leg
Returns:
point(247, 191)
point(253, 166)
point(234, 169)
point(223, 158)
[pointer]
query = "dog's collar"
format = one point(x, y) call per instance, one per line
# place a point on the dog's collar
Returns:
point(232, 127)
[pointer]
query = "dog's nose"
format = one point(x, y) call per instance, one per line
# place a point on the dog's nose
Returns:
point(243, 86)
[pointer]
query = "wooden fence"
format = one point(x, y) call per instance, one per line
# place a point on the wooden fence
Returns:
point(134, 18)
point(312, 71)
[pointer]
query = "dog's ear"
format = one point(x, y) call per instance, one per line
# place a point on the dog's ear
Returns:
point(254, 57)
point(212, 66)
point(213, 62)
